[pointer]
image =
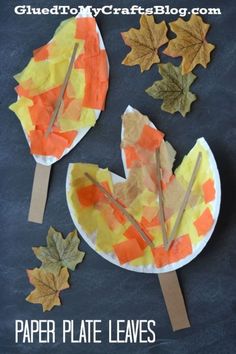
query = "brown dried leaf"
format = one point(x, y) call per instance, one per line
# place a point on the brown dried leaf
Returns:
point(145, 42)
point(190, 43)
point(47, 287)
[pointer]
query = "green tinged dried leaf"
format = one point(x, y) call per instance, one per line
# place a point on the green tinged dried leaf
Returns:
point(47, 287)
point(59, 252)
point(173, 89)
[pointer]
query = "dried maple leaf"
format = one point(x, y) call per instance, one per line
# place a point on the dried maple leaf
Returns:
point(173, 89)
point(47, 287)
point(190, 43)
point(59, 252)
point(144, 42)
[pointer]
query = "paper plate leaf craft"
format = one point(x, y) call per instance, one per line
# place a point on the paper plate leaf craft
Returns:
point(173, 89)
point(59, 252)
point(61, 93)
point(145, 42)
point(47, 287)
point(190, 43)
point(187, 206)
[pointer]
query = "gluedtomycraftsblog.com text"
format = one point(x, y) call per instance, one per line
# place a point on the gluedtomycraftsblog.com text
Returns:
point(85, 331)
point(113, 10)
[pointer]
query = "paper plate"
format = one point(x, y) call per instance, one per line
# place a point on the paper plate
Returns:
point(193, 233)
point(49, 160)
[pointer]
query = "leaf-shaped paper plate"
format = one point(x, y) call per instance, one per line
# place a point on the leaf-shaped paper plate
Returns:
point(106, 229)
point(42, 79)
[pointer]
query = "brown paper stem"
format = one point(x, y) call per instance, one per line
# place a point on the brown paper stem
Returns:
point(185, 200)
point(39, 193)
point(62, 91)
point(161, 200)
point(174, 300)
point(122, 209)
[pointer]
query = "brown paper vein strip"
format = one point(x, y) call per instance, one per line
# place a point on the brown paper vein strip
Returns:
point(161, 200)
point(62, 91)
point(185, 200)
point(122, 209)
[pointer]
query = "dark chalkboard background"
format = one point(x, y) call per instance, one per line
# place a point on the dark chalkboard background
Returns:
point(99, 289)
